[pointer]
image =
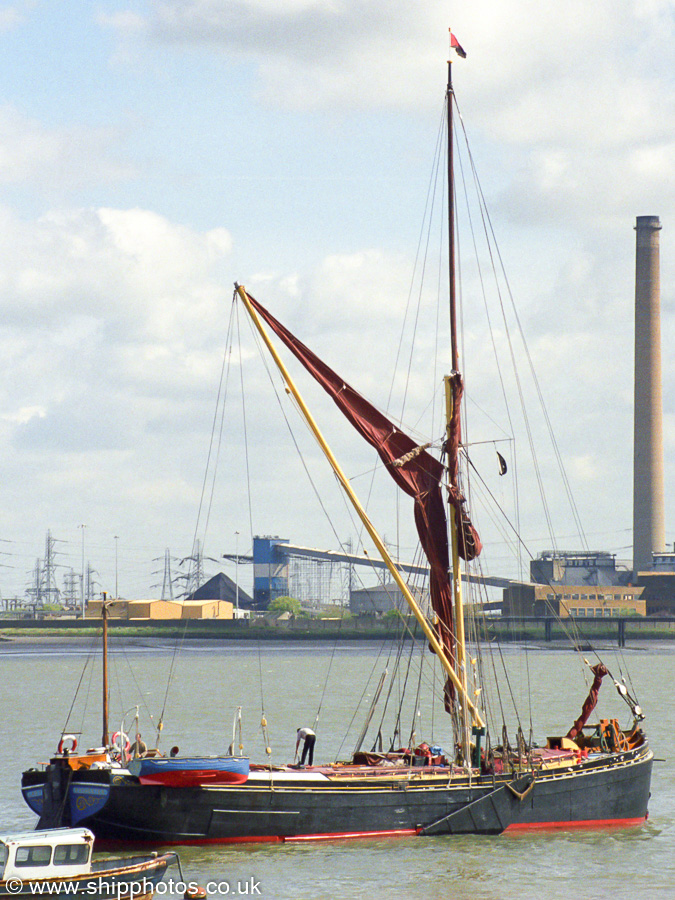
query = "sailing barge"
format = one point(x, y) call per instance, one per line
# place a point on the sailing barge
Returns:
point(600, 779)
point(590, 776)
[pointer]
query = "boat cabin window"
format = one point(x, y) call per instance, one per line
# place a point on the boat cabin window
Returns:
point(3, 859)
point(71, 854)
point(33, 856)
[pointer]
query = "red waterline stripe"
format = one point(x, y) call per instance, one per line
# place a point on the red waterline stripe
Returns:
point(347, 835)
point(273, 838)
point(589, 824)
point(403, 832)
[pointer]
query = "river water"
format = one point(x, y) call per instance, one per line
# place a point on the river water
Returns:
point(290, 682)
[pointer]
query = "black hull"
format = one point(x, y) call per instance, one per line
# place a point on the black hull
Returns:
point(610, 792)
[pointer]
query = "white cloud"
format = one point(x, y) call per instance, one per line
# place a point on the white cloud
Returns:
point(112, 330)
point(523, 57)
point(57, 158)
point(131, 270)
point(25, 414)
point(103, 301)
point(311, 53)
point(576, 110)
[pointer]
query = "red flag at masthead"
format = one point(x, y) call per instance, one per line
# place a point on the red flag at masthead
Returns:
point(455, 45)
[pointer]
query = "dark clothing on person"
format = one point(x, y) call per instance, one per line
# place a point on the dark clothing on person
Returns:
point(138, 748)
point(309, 738)
point(308, 750)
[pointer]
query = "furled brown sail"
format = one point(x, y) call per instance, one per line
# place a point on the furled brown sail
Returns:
point(420, 476)
point(590, 702)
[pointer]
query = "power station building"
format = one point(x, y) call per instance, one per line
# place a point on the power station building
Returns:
point(579, 567)
point(581, 602)
point(658, 585)
point(583, 584)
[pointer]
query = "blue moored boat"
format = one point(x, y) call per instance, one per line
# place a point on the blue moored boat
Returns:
point(191, 770)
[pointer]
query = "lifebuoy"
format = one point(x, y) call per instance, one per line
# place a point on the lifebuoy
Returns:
point(124, 744)
point(72, 739)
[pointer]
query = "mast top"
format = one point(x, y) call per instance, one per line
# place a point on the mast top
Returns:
point(457, 47)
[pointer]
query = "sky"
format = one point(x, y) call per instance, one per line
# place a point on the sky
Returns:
point(153, 153)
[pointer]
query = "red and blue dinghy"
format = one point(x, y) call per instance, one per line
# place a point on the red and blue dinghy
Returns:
point(189, 771)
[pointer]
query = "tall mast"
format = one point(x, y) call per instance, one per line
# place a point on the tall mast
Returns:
point(104, 616)
point(449, 97)
point(451, 400)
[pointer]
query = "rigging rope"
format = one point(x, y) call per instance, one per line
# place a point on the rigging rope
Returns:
point(263, 716)
point(222, 391)
point(87, 661)
point(490, 230)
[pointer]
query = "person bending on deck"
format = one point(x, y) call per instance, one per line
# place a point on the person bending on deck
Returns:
point(309, 738)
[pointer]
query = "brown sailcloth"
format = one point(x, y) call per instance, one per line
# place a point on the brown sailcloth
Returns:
point(590, 702)
point(420, 477)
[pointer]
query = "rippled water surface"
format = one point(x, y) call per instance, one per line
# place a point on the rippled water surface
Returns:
point(291, 682)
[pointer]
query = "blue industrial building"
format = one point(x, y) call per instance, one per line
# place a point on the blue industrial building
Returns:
point(270, 570)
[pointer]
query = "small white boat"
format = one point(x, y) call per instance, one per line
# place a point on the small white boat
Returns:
point(59, 862)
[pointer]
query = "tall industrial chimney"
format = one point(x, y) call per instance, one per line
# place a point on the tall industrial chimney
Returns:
point(648, 502)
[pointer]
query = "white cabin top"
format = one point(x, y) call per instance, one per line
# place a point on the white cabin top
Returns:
point(55, 853)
